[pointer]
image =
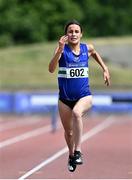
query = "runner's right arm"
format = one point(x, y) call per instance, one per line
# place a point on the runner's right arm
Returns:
point(59, 50)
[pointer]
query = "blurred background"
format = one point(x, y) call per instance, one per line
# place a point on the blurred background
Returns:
point(29, 31)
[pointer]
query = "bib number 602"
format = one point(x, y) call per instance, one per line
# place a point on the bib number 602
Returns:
point(77, 72)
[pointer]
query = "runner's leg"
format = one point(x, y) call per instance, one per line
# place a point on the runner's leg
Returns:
point(83, 105)
point(66, 119)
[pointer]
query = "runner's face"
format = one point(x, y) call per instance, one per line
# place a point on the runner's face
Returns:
point(74, 33)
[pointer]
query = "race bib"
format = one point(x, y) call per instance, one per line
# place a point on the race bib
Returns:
point(78, 72)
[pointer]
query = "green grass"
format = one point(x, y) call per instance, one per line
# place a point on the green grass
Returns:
point(120, 77)
point(26, 68)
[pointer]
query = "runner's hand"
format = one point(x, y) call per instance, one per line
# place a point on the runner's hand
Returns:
point(106, 77)
point(62, 42)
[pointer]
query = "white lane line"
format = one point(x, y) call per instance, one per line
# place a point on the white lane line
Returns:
point(100, 127)
point(25, 136)
point(106, 123)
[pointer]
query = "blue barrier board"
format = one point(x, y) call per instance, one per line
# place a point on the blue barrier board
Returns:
point(6, 102)
point(21, 102)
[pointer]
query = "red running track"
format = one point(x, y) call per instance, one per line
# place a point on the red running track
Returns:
point(28, 149)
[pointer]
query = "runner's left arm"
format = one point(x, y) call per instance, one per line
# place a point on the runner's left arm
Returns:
point(93, 53)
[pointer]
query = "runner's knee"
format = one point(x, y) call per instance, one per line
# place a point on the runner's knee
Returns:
point(69, 134)
point(77, 114)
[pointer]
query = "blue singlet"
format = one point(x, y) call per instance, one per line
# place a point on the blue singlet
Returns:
point(73, 77)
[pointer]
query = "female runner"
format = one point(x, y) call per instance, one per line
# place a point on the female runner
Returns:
point(74, 90)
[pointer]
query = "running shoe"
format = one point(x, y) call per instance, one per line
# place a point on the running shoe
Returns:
point(71, 164)
point(78, 159)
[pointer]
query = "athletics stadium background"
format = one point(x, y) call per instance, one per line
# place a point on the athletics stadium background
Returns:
point(29, 92)
point(26, 31)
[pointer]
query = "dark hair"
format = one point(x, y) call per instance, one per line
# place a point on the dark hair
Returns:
point(72, 22)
